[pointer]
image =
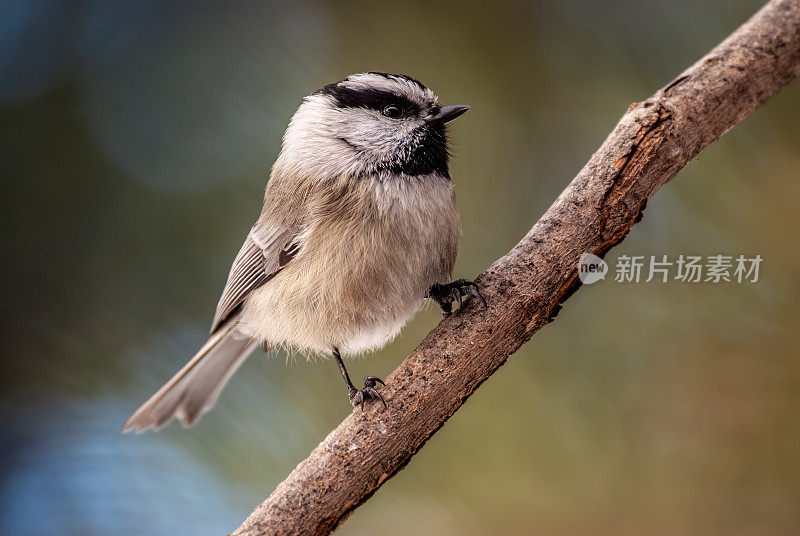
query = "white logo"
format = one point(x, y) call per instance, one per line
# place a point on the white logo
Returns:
point(591, 268)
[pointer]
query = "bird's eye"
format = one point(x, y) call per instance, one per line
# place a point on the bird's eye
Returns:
point(392, 111)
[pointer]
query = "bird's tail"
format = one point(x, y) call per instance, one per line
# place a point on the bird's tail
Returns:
point(195, 388)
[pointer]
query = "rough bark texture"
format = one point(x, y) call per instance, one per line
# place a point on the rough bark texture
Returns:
point(525, 288)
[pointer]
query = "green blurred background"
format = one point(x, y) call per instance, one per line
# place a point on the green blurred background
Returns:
point(137, 138)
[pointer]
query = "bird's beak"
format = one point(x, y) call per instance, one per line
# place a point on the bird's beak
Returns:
point(447, 113)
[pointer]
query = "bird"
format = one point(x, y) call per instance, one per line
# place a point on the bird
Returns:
point(359, 227)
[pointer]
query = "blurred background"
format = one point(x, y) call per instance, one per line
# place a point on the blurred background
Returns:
point(137, 138)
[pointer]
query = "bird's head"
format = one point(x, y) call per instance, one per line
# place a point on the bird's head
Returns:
point(370, 124)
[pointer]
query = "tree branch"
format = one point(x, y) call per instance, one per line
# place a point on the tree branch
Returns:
point(525, 288)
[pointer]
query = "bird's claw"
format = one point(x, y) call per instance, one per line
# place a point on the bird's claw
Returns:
point(445, 295)
point(359, 396)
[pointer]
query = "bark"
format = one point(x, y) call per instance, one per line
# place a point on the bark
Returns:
point(525, 288)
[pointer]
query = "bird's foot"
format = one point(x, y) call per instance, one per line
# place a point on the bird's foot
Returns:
point(445, 295)
point(369, 391)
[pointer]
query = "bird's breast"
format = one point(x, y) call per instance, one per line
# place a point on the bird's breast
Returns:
point(363, 268)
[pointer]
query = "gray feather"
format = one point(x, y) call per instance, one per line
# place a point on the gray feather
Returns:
point(195, 388)
point(256, 263)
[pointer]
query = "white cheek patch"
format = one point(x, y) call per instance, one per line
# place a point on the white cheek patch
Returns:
point(373, 133)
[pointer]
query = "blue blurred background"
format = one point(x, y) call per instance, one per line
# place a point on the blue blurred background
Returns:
point(137, 138)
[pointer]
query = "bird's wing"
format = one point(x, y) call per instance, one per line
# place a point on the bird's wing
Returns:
point(265, 252)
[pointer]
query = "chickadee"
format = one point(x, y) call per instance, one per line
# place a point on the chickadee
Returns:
point(359, 227)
